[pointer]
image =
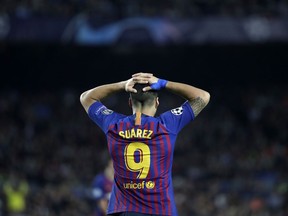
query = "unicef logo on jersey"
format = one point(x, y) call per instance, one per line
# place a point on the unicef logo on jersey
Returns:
point(150, 184)
point(177, 111)
point(139, 185)
point(107, 111)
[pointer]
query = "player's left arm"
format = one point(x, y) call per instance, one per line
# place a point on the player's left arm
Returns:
point(98, 93)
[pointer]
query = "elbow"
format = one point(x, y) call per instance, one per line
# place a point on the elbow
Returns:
point(82, 98)
point(206, 97)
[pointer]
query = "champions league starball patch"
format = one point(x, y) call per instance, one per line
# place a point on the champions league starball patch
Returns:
point(177, 111)
point(106, 111)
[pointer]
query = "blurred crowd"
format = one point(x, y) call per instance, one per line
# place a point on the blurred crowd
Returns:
point(170, 8)
point(231, 161)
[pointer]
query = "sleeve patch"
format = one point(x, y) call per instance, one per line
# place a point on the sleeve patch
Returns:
point(106, 111)
point(177, 111)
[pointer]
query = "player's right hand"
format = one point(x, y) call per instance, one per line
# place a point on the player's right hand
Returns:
point(154, 82)
point(142, 77)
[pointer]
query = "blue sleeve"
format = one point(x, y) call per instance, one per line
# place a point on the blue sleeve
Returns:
point(175, 119)
point(101, 115)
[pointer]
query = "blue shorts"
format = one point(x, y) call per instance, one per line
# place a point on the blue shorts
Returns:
point(132, 214)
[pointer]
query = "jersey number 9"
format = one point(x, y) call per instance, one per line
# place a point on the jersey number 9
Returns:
point(143, 164)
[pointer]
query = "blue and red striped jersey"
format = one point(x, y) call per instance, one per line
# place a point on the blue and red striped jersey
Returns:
point(101, 189)
point(142, 157)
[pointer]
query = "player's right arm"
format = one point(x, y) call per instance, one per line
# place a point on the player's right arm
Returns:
point(197, 98)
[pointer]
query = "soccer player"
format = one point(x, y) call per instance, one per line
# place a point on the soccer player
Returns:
point(101, 189)
point(141, 145)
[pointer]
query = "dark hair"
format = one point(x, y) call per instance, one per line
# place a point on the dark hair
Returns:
point(143, 97)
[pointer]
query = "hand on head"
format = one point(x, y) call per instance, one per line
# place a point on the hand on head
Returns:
point(154, 82)
point(129, 86)
point(141, 78)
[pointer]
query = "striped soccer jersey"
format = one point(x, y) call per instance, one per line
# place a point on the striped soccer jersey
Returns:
point(142, 157)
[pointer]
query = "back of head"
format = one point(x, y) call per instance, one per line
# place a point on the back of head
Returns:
point(145, 98)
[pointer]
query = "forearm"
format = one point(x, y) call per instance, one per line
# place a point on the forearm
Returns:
point(186, 91)
point(100, 92)
point(198, 98)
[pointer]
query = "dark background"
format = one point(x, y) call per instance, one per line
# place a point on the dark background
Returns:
point(52, 66)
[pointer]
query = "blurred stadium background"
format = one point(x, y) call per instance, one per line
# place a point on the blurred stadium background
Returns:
point(232, 161)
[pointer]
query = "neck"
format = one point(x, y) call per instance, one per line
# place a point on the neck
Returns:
point(148, 112)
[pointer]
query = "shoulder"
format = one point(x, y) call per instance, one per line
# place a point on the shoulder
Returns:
point(183, 111)
point(176, 118)
point(99, 110)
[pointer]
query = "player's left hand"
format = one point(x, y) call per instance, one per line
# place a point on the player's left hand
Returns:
point(141, 78)
point(145, 78)
point(154, 82)
point(129, 86)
